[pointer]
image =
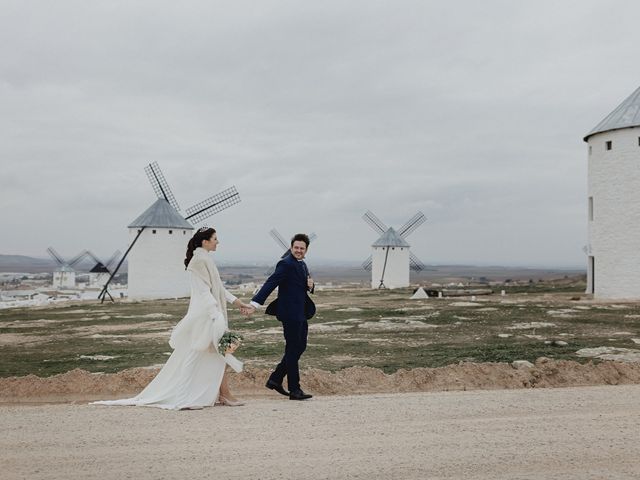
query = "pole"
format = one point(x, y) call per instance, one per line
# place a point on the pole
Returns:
point(103, 293)
point(384, 267)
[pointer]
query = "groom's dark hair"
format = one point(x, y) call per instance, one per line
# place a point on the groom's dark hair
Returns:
point(300, 237)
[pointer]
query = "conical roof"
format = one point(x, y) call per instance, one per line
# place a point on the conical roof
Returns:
point(390, 238)
point(626, 115)
point(161, 215)
point(99, 268)
point(419, 294)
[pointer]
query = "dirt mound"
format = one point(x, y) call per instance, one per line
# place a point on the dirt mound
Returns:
point(80, 385)
point(472, 376)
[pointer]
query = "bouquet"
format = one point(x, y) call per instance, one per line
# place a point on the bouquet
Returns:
point(229, 342)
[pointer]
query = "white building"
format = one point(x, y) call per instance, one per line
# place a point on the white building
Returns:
point(390, 261)
point(156, 261)
point(613, 266)
point(98, 276)
point(64, 277)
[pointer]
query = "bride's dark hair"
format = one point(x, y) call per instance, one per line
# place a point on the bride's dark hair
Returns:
point(196, 241)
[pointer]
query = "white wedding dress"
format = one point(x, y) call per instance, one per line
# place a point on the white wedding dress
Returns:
point(193, 373)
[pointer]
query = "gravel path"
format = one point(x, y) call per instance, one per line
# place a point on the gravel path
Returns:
point(566, 433)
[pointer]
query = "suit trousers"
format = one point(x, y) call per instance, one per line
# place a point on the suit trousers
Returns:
point(295, 336)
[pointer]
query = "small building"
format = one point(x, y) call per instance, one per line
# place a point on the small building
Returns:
point(156, 262)
point(64, 277)
point(613, 203)
point(98, 275)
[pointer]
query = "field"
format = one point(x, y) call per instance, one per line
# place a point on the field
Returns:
point(353, 327)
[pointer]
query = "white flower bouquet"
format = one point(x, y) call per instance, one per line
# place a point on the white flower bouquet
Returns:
point(229, 342)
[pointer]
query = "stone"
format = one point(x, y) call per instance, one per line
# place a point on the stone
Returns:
point(520, 364)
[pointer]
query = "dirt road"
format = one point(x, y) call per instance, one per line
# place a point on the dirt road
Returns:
point(566, 433)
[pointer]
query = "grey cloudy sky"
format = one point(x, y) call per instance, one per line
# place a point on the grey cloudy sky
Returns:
point(472, 112)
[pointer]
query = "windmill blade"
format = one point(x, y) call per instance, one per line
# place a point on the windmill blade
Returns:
point(75, 260)
point(278, 238)
point(113, 258)
point(415, 263)
point(413, 223)
point(367, 263)
point(312, 236)
point(93, 256)
point(56, 257)
point(374, 222)
point(160, 185)
point(213, 205)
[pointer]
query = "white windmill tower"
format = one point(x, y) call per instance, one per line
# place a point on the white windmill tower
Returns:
point(613, 265)
point(156, 268)
point(392, 259)
point(64, 276)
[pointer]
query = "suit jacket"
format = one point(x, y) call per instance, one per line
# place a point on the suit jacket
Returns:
point(290, 276)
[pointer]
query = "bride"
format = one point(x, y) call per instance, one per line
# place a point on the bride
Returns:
point(194, 375)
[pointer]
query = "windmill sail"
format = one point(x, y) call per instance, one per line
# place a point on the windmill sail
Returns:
point(415, 263)
point(66, 263)
point(113, 258)
point(411, 225)
point(278, 238)
point(160, 184)
point(374, 222)
point(213, 205)
point(100, 265)
point(367, 263)
point(75, 260)
point(56, 257)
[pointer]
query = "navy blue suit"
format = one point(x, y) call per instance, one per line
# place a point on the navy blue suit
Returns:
point(290, 276)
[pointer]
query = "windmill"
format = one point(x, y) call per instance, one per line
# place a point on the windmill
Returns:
point(155, 265)
point(101, 271)
point(392, 259)
point(279, 239)
point(64, 276)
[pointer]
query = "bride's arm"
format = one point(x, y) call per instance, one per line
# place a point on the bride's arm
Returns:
point(232, 299)
point(201, 293)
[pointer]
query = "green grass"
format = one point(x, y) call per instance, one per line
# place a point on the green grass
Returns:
point(389, 331)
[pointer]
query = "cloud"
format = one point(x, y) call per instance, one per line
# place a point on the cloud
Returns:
point(470, 112)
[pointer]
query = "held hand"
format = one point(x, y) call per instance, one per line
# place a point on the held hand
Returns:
point(247, 310)
point(309, 283)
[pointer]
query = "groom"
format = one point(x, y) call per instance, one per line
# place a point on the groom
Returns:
point(292, 278)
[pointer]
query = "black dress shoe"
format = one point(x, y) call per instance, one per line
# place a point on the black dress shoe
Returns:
point(271, 385)
point(299, 395)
